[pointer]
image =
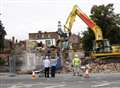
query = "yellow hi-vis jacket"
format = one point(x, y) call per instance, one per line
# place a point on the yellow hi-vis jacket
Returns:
point(76, 61)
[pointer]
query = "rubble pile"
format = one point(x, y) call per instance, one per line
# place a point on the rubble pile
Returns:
point(96, 68)
point(109, 67)
point(67, 68)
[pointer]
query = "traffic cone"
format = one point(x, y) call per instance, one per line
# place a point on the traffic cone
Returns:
point(87, 73)
point(33, 75)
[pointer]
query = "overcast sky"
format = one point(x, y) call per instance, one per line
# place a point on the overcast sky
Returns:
point(20, 17)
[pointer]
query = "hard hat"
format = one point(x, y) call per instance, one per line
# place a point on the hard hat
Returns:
point(46, 57)
point(76, 55)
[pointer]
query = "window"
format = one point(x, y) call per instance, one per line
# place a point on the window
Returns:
point(48, 42)
point(42, 35)
point(48, 35)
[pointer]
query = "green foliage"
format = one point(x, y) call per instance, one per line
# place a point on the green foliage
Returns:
point(2, 62)
point(2, 34)
point(108, 21)
point(87, 40)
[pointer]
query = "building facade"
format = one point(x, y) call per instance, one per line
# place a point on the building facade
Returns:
point(47, 38)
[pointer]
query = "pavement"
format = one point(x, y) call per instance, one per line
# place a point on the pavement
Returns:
point(96, 80)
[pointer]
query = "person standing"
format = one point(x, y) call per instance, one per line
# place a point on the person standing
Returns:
point(46, 63)
point(59, 63)
point(76, 65)
point(53, 66)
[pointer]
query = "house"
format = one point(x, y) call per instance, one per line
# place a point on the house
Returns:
point(75, 42)
point(47, 38)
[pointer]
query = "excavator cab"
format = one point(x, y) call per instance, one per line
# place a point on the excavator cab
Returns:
point(102, 46)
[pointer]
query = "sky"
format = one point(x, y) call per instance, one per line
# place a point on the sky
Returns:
point(20, 17)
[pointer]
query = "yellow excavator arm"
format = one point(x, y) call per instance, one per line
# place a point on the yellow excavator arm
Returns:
point(101, 47)
point(77, 12)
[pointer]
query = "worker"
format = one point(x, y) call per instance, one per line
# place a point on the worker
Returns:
point(59, 64)
point(46, 63)
point(53, 66)
point(76, 65)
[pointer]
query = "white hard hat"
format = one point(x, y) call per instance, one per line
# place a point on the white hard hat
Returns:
point(76, 55)
point(46, 57)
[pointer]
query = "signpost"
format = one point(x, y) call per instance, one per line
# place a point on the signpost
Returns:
point(12, 65)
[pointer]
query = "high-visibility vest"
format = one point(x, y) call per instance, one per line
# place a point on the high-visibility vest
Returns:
point(76, 62)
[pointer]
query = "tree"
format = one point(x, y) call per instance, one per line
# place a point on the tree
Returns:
point(87, 40)
point(2, 35)
point(108, 21)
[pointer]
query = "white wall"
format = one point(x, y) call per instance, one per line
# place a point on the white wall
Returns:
point(52, 41)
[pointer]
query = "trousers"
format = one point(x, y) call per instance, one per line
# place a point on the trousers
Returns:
point(46, 72)
point(76, 70)
point(53, 70)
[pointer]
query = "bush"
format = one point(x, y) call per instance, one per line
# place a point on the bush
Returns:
point(2, 62)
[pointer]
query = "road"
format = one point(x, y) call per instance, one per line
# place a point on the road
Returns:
point(102, 80)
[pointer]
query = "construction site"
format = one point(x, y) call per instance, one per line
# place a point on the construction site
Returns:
point(104, 57)
point(59, 44)
point(28, 54)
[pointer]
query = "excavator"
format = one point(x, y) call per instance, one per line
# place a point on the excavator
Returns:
point(101, 47)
